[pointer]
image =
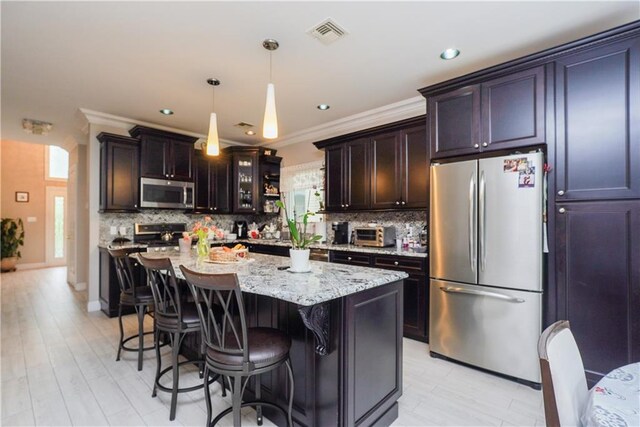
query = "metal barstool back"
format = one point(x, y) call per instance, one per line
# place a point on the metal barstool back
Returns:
point(229, 342)
point(175, 317)
point(134, 295)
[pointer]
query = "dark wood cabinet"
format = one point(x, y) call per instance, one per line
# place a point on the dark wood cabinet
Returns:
point(598, 281)
point(165, 155)
point(244, 171)
point(503, 113)
point(211, 180)
point(119, 173)
point(598, 123)
point(110, 287)
point(378, 169)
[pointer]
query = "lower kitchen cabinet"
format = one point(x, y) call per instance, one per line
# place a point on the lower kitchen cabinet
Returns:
point(109, 285)
point(416, 290)
point(598, 281)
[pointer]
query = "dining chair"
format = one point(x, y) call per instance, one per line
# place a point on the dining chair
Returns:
point(235, 350)
point(564, 386)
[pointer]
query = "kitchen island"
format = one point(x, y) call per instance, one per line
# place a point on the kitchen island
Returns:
point(345, 323)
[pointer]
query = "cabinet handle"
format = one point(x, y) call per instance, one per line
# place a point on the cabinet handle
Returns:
point(348, 258)
point(395, 262)
point(215, 209)
point(171, 175)
point(560, 192)
point(397, 203)
point(476, 146)
point(403, 202)
point(135, 206)
point(484, 144)
point(254, 209)
point(342, 206)
point(346, 206)
point(562, 210)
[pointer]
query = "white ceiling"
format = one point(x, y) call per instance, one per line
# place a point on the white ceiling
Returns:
point(132, 58)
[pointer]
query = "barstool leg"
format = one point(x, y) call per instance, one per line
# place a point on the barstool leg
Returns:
point(140, 311)
point(237, 400)
point(207, 394)
point(258, 396)
point(291, 389)
point(121, 332)
point(156, 339)
point(176, 375)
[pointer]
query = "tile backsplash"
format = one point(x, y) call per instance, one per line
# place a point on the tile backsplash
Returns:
point(417, 220)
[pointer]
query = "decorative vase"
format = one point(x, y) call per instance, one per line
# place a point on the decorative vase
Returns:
point(299, 260)
point(185, 245)
point(203, 248)
point(9, 263)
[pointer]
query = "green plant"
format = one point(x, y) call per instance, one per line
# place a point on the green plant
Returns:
point(299, 237)
point(12, 237)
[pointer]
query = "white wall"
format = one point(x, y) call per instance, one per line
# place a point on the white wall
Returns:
point(303, 152)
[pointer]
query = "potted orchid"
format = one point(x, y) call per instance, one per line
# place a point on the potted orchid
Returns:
point(201, 230)
point(300, 240)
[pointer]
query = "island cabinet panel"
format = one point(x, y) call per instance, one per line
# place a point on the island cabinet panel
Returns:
point(598, 281)
point(358, 381)
point(119, 173)
point(109, 286)
point(504, 113)
point(598, 123)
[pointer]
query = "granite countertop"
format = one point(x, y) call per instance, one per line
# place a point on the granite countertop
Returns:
point(260, 275)
point(286, 243)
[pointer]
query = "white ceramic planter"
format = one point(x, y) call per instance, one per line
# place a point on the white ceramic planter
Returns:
point(299, 260)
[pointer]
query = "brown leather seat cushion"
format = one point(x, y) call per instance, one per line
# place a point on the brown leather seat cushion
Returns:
point(190, 318)
point(266, 346)
point(143, 296)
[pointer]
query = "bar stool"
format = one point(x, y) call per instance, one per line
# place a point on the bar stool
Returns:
point(133, 295)
point(174, 317)
point(237, 352)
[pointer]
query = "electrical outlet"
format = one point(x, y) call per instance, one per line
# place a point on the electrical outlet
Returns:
point(113, 230)
point(123, 231)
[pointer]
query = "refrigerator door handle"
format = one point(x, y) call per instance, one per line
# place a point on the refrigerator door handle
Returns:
point(472, 222)
point(454, 290)
point(483, 221)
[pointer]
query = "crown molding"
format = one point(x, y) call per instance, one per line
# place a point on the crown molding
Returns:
point(106, 119)
point(401, 110)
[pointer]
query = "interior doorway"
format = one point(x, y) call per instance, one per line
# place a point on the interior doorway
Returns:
point(56, 226)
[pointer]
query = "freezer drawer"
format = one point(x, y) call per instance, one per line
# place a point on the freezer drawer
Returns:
point(492, 328)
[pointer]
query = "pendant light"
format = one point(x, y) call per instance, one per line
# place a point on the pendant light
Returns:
point(270, 124)
point(213, 144)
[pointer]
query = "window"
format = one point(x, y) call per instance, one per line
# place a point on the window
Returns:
point(56, 163)
point(300, 184)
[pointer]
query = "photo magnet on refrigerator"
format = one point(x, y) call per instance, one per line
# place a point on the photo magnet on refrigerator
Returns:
point(527, 177)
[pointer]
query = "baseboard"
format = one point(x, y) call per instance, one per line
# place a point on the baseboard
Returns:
point(31, 265)
point(80, 286)
point(93, 306)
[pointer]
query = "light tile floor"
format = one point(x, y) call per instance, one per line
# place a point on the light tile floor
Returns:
point(59, 368)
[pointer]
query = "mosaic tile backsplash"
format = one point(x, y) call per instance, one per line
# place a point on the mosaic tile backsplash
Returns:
point(416, 220)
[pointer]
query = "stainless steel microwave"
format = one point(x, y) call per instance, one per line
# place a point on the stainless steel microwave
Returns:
point(160, 193)
point(375, 236)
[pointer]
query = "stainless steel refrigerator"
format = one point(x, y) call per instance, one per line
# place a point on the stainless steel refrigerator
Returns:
point(486, 263)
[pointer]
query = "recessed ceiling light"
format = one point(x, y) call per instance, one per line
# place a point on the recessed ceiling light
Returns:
point(250, 133)
point(323, 107)
point(449, 53)
point(166, 111)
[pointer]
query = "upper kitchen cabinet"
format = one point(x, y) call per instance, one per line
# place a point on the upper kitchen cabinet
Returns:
point(377, 169)
point(119, 173)
point(598, 123)
point(165, 155)
point(502, 113)
point(211, 179)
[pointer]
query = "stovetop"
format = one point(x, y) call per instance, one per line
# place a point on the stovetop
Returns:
point(150, 234)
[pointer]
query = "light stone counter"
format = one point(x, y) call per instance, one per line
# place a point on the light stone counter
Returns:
point(346, 248)
point(260, 275)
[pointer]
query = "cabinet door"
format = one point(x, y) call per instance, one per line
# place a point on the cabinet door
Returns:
point(334, 178)
point(155, 154)
point(181, 160)
point(122, 177)
point(513, 110)
point(598, 281)
point(221, 186)
point(454, 122)
point(415, 168)
point(598, 123)
point(416, 307)
point(386, 177)
point(202, 182)
point(245, 197)
point(359, 174)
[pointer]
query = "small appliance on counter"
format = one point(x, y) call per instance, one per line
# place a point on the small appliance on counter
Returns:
point(340, 233)
point(240, 229)
point(375, 236)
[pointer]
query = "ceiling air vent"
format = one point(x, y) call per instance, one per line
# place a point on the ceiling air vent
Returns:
point(327, 31)
point(243, 125)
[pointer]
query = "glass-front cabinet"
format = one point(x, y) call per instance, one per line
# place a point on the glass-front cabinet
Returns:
point(246, 197)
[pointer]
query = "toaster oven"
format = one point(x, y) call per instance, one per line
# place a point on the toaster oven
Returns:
point(375, 236)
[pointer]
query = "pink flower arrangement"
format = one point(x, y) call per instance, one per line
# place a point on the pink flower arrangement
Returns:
point(202, 229)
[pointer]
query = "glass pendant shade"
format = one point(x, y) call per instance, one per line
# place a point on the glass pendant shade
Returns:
point(213, 144)
point(270, 124)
